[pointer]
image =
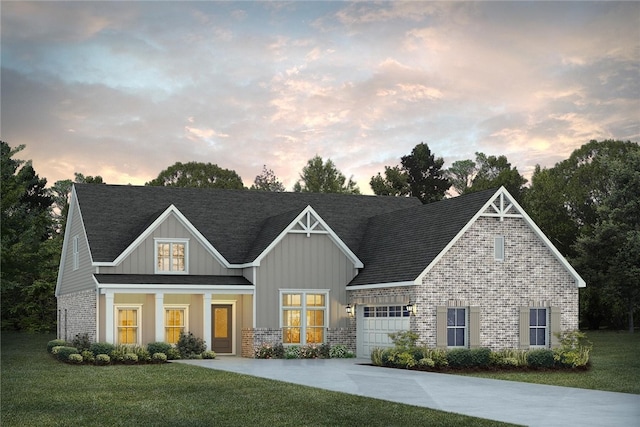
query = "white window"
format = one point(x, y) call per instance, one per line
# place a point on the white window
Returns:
point(175, 323)
point(303, 316)
point(498, 248)
point(172, 256)
point(538, 327)
point(386, 311)
point(457, 327)
point(128, 324)
point(76, 253)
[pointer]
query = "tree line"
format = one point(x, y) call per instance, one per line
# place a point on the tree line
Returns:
point(588, 205)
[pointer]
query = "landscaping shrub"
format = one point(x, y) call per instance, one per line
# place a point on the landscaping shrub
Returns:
point(142, 353)
point(426, 362)
point(404, 339)
point(325, 350)
point(158, 347)
point(405, 360)
point(480, 357)
point(101, 348)
point(130, 358)
point(55, 343)
point(340, 351)
point(309, 352)
point(103, 359)
point(82, 342)
point(209, 354)
point(118, 352)
point(265, 351)
point(173, 354)
point(159, 357)
point(292, 352)
point(62, 352)
point(540, 358)
point(376, 356)
point(75, 359)
point(190, 346)
point(88, 356)
point(574, 350)
point(460, 358)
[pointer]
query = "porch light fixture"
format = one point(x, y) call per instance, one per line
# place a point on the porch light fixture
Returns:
point(411, 308)
point(349, 310)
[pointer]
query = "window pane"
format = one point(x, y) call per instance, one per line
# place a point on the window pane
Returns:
point(163, 257)
point(291, 318)
point(291, 335)
point(315, 300)
point(290, 300)
point(542, 317)
point(540, 339)
point(314, 335)
point(451, 337)
point(460, 317)
point(459, 337)
point(178, 257)
point(315, 318)
point(369, 312)
point(451, 317)
point(381, 311)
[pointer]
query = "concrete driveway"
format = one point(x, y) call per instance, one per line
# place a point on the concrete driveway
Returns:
point(508, 401)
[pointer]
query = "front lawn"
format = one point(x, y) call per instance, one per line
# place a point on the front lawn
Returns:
point(615, 366)
point(37, 390)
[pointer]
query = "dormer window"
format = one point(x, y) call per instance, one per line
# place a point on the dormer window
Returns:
point(171, 256)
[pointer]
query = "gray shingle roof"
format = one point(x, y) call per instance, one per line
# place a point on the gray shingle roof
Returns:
point(395, 237)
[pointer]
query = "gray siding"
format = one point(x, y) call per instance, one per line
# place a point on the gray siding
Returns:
point(80, 279)
point(301, 262)
point(141, 259)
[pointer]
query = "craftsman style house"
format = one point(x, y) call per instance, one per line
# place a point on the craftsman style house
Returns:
point(243, 268)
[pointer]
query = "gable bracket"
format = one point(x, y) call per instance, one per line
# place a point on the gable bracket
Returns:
point(501, 206)
point(309, 225)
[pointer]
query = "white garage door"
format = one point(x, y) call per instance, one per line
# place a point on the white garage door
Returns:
point(374, 325)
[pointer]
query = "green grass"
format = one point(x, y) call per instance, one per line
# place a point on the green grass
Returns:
point(39, 391)
point(615, 366)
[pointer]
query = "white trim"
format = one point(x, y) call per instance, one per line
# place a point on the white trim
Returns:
point(76, 252)
point(166, 307)
point(498, 248)
point(501, 192)
point(305, 215)
point(303, 311)
point(123, 288)
point(170, 241)
point(381, 285)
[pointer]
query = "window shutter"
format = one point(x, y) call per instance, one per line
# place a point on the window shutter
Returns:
point(555, 327)
point(441, 326)
point(524, 328)
point(474, 327)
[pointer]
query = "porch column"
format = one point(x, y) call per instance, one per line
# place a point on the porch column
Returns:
point(206, 310)
point(110, 326)
point(159, 317)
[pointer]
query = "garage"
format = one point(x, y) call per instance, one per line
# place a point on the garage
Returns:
point(375, 322)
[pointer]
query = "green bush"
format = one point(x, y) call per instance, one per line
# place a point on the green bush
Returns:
point(404, 339)
point(426, 362)
point(75, 359)
point(309, 352)
point(55, 343)
point(103, 359)
point(62, 352)
point(158, 347)
point(438, 355)
point(376, 356)
point(574, 350)
point(405, 360)
point(292, 352)
point(190, 346)
point(173, 354)
point(101, 348)
point(540, 358)
point(130, 358)
point(480, 357)
point(460, 358)
point(208, 354)
point(82, 342)
point(340, 351)
point(88, 356)
point(118, 352)
point(324, 350)
point(159, 357)
point(142, 353)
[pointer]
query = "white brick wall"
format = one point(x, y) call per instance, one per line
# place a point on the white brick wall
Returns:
point(77, 315)
point(468, 275)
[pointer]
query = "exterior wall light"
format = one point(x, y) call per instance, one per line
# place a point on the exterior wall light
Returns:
point(411, 308)
point(350, 310)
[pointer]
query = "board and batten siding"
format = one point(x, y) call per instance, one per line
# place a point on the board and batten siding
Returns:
point(301, 262)
point(81, 279)
point(142, 259)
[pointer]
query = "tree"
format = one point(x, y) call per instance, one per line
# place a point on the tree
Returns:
point(492, 172)
point(60, 192)
point(320, 177)
point(28, 256)
point(196, 174)
point(609, 256)
point(267, 181)
point(427, 180)
point(394, 183)
point(461, 174)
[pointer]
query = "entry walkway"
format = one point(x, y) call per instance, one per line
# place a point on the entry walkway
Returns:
point(508, 401)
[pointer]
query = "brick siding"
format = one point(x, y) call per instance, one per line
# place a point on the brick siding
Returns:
point(77, 315)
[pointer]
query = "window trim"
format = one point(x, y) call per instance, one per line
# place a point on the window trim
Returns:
point(466, 327)
point(498, 248)
point(170, 241)
point(138, 308)
point(547, 329)
point(167, 307)
point(303, 312)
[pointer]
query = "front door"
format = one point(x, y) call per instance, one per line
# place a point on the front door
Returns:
point(221, 341)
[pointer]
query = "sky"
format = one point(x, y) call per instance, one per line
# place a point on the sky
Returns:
point(126, 89)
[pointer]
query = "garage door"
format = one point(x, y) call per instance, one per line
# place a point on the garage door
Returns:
point(374, 325)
